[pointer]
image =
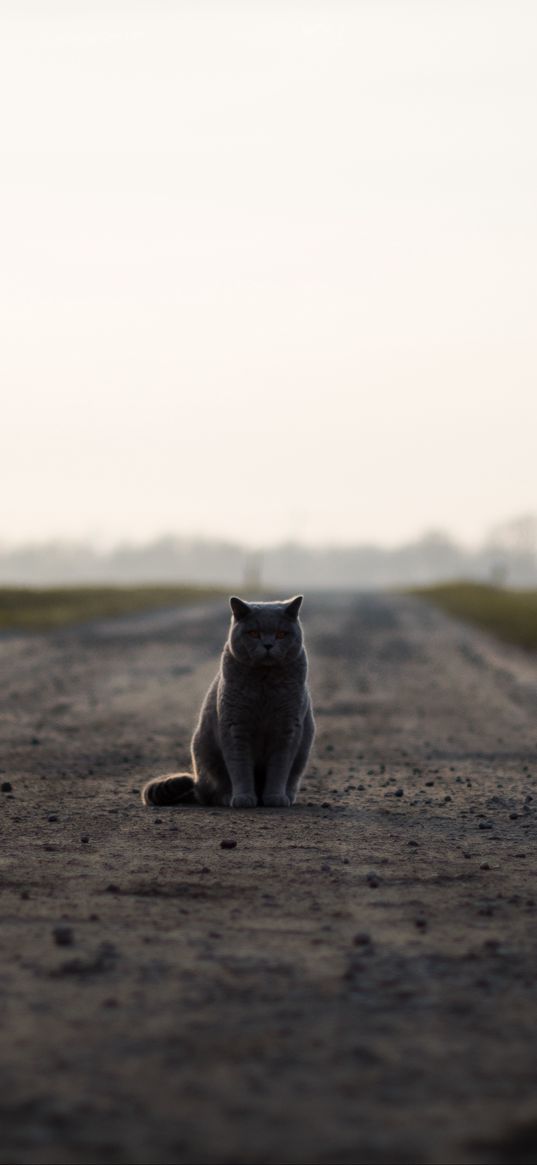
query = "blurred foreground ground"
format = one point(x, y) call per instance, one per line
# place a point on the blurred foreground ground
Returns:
point(354, 982)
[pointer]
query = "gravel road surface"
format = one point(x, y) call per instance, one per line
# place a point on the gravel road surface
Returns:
point(350, 981)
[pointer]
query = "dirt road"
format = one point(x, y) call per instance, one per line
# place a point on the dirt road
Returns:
point(355, 981)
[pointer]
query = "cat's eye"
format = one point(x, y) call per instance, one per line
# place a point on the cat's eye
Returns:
point(281, 634)
point(255, 634)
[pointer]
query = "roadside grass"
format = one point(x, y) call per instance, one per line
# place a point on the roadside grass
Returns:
point(45, 608)
point(509, 614)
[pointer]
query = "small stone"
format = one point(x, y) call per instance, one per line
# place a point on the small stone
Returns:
point(6, 786)
point(63, 936)
point(414, 844)
point(228, 843)
point(362, 939)
point(484, 866)
point(52, 817)
point(399, 793)
point(84, 839)
point(326, 805)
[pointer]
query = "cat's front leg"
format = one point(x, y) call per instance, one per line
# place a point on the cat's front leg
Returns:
point(240, 766)
point(277, 774)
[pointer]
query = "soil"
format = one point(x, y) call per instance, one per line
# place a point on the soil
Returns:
point(353, 980)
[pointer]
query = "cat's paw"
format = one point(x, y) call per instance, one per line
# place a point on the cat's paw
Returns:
point(276, 801)
point(243, 801)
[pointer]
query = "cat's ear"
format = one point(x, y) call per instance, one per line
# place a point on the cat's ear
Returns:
point(293, 607)
point(239, 607)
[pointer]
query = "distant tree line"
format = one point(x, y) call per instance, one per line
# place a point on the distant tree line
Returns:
point(507, 556)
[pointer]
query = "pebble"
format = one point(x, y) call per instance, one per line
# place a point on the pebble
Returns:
point(228, 843)
point(52, 817)
point(63, 936)
point(6, 786)
point(362, 939)
point(84, 838)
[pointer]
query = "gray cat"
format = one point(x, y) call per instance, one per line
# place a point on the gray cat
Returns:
point(256, 727)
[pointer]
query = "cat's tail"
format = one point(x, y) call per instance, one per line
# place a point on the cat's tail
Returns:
point(174, 789)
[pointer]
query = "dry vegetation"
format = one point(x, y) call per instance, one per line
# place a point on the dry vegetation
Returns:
point(44, 608)
point(509, 614)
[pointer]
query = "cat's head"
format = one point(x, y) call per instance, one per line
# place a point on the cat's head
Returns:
point(265, 634)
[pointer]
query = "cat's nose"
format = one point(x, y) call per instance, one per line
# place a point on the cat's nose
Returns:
point(268, 646)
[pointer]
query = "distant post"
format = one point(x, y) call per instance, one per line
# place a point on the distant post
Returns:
point(252, 573)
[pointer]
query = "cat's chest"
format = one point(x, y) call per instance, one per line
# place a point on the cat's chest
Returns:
point(261, 706)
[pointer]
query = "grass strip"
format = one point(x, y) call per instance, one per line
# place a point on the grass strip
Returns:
point(45, 608)
point(511, 615)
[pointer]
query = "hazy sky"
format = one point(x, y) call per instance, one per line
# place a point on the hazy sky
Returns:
point(267, 269)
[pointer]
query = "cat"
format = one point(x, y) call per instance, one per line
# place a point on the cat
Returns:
point(256, 728)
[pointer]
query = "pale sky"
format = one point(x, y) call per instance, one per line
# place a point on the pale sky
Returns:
point(267, 269)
